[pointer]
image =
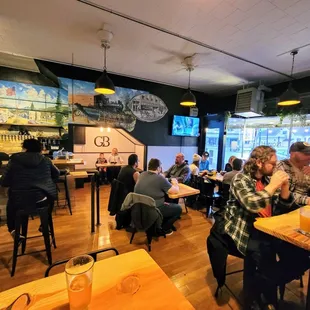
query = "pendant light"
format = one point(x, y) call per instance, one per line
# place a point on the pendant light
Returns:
point(290, 97)
point(104, 84)
point(188, 99)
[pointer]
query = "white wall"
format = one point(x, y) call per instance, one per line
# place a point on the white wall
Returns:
point(89, 151)
point(166, 154)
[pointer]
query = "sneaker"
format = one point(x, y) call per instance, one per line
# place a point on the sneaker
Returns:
point(168, 232)
point(173, 228)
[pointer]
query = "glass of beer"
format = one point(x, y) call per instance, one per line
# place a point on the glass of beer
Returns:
point(79, 274)
point(305, 219)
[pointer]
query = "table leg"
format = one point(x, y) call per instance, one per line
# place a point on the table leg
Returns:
point(308, 295)
point(98, 198)
point(92, 204)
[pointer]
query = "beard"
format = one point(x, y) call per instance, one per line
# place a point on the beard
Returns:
point(266, 172)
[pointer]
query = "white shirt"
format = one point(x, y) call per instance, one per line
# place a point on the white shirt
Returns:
point(115, 159)
point(194, 169)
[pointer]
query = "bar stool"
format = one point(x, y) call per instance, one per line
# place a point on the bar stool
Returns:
point(25, 204)
point(64, 180)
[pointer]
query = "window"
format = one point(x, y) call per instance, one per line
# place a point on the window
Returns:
point(242, 135)
point(212, 146)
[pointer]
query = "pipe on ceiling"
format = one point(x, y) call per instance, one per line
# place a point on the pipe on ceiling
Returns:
point(143, 23)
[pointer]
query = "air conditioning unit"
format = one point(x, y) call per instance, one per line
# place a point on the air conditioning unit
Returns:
point(250, 102)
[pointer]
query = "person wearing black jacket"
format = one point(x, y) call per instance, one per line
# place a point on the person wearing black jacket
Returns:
point(29, 170)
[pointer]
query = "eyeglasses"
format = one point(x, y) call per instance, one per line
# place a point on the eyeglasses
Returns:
point(20, 303)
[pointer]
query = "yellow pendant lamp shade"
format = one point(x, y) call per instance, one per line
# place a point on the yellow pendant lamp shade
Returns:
point(290, 97)
point(104, 85)
point(188, 99)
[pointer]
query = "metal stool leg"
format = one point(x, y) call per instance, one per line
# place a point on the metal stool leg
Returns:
point(16, 244)
point(51, 227)
point(132, 236)
point(68, 195)
point(44, 222)
point(24, 232)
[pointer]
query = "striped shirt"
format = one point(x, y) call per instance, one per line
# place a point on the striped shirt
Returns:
point(299, 182)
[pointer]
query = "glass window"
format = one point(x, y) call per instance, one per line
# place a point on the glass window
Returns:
point(212, 146)
point(242, 135)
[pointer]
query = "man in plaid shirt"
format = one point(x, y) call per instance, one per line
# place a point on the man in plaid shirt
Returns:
point(297, 167)
point(256, 192)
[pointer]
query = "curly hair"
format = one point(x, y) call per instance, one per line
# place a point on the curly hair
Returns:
point(263, 153)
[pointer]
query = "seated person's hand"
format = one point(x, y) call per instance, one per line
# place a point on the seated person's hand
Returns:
point(306, 170)
point(204, 172)
point(174, 181)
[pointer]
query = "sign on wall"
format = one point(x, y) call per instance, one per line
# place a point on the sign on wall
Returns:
point(147, 108)
point(97, 141)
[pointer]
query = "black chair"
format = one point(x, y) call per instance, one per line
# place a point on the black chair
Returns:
point(206, 193)
point(64, 180)
point(118, 194)
point(93, 254)
point(139, 213)
point(25, 204)
point(219, 246)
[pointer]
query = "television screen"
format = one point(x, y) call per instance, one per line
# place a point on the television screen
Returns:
point(185, 126)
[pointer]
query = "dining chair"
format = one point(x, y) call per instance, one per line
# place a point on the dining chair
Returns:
point(93, 254)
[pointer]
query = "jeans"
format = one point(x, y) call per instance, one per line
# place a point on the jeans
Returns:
point(112, 173)
point(11, 212)
point(261, 256)
point(171, 213)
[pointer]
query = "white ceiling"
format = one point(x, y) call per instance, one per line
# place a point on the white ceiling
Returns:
point(258, 30)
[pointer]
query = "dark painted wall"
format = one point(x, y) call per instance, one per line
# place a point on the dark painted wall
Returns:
point(157, 133)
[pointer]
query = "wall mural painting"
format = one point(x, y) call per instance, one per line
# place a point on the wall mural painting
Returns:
point(24, 104)
point(147, 108)
point(75, 101)
point(91, 108)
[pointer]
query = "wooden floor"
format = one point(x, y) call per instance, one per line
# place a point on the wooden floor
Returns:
point(182, 256)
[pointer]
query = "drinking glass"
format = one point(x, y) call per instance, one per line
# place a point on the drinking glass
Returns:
point(305, 219)
point(79, 274)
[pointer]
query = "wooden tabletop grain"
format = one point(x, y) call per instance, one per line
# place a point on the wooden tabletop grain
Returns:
point(110, 165)
point(184, 191)
point(67, 162)
point(128, 281)
point(285, 228)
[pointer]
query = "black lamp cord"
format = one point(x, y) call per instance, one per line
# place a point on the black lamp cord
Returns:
point(293, 53)
point(105, 58)
point(189, 78)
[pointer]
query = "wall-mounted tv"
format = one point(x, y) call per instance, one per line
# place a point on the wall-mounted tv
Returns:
point(185, 126)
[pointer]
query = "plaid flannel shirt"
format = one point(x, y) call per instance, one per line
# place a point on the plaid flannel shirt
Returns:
point(243, 206)
point(299, 183)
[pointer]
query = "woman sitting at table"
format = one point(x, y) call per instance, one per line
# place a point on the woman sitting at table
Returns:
point(194, 167)
point(102, 170)
point(114, 159)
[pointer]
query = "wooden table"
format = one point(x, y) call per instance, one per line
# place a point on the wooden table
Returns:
point(68, 163)
point(184, 191)
point(110, 165)
point(217, 178)
point(128, 281)
point(284, 227)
